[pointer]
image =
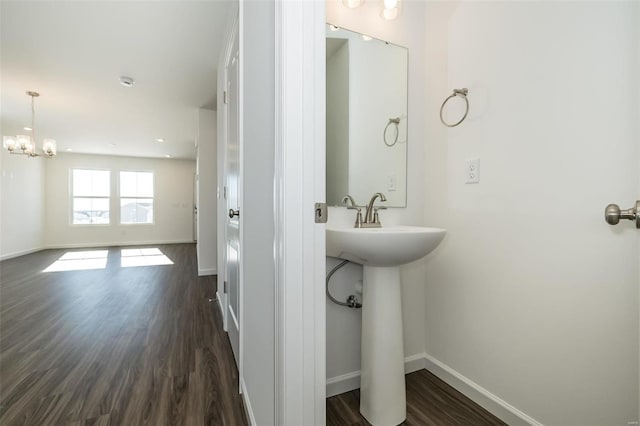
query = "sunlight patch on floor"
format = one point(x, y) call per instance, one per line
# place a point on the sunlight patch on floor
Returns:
point(143, 257)
point(79, 261)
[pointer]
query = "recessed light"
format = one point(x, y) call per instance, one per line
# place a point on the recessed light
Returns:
point(127, 81)
point(159, 139)
point(168, 156)
point(28, 129)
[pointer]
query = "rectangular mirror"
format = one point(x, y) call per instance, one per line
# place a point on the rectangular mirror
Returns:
point(366, 118)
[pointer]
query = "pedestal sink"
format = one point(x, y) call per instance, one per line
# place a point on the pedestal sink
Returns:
point(381, 251)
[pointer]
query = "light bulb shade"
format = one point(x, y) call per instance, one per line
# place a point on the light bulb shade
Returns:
point(9, 143)
point(24, 142)
point(390, 4)
point(352, 4)
point(49, 147)
point(390, 14)
point(30, 149)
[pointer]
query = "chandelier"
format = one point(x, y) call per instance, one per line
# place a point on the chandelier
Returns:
point(25, 144)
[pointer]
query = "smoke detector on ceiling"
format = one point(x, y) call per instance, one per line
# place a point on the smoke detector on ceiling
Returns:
point(127, 81)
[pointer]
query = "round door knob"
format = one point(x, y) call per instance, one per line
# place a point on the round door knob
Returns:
point(233, 213)
point(612, 214)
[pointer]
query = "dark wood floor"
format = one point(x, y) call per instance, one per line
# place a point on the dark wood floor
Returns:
point(144, 345)
point(119, 346)
point(430, 401)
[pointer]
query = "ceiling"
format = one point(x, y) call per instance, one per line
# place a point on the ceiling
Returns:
point(73, 54)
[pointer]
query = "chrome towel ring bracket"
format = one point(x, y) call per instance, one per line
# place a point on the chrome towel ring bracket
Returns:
point(456, 92)
point(395, 121)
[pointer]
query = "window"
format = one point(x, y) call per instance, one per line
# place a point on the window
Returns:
point(91, 190)
point(136, 197)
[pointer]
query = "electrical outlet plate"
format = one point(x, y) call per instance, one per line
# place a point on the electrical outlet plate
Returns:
point(472, 170)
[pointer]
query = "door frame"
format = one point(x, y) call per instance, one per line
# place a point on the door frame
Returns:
point(299, 241)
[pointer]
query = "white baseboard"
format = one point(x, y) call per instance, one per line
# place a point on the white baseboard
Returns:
point(350, 381)
point(343, 383)
point(207, 271)
point(20, 253)
point(95, 245)
point(247, 404)
point(116, 244)
point(490, 402)
point(219, 299)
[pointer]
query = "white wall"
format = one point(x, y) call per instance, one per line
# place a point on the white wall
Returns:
point(531, 295)
point(22, 200)
point(207, 193)
point(173, 202)
point(257, 312)
point(343, 324)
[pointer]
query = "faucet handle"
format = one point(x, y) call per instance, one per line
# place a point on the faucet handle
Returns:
point(376, 217)
point(358, 223)
point(349, 199)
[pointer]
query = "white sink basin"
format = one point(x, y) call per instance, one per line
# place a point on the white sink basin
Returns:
point(381, 251)
point(387, 246)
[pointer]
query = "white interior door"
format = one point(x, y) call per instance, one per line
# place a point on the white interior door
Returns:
point(195, 207)
point(232, 178)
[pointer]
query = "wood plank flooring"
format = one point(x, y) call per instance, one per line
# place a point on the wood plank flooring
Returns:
point(144, 346)
point(114, 346)
point(430, 402)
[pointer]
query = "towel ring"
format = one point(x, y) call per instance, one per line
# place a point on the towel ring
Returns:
point(395, 121)
point(456, 92)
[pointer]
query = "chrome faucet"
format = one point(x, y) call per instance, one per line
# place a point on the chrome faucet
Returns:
point(371, 218)
point(349, 199)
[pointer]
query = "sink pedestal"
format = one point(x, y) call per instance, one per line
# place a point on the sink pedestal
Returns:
point(381, 251)
point(382, 387)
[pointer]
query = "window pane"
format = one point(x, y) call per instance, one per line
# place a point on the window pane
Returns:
point(90, 211)
point(136, 210)
point(81, 182)
point(145, 185)
point(127, 184)
point(136, 184)
point(91, 183)
point(100, 185)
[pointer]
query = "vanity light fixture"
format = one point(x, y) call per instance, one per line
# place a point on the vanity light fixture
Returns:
point(352, 4)
point(390, 9)
point(26, 145)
